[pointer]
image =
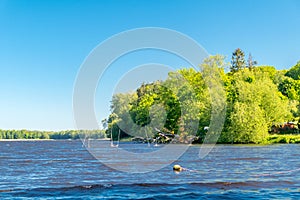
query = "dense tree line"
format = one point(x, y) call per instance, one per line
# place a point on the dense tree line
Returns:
point(69, 134)
point(258, 98)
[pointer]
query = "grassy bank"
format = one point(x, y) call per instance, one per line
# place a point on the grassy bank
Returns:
point(283, 139)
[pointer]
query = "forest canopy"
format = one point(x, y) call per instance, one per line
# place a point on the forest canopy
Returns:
point(260, 100)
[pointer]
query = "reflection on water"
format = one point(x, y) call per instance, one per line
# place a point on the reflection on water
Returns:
point(66, 169)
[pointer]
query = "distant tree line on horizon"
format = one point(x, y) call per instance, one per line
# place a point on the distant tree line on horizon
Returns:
point(259, 100)
point(68, 134)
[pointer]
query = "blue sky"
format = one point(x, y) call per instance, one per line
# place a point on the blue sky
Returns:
point(43, 44)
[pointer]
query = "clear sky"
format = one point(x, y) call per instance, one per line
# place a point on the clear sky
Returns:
point(43, 44)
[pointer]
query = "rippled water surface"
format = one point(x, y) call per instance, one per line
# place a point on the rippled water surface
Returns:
point(66, 170)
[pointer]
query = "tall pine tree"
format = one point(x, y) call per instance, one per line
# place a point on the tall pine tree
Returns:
point(251, 63)
point(238, 60)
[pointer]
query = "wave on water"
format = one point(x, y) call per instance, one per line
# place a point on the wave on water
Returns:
point(142, 189)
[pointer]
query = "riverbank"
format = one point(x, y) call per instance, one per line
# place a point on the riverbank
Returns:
point(21, 140)
point(271, 139)
point(27, 140)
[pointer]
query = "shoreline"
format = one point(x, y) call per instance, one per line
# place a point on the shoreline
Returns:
point(271, 139)
point(3, 140)
point(24, 140)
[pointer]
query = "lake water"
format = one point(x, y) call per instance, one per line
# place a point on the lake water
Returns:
point(66, 170)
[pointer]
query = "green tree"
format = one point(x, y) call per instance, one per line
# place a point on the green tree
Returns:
point(120, 117)
point(45, 135)
point(160, 95)
point(237, 60)
point(290, 88)
point(250, 62)
point(294, 72)
point(247, 124)
point(254, 90)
